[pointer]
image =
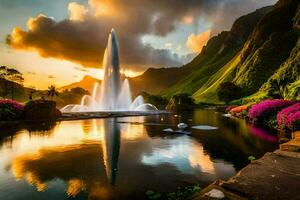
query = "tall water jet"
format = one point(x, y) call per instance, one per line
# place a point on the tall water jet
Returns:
point(111, 81)
point(113, 95)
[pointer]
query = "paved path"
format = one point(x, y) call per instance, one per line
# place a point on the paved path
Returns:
point(274, 176)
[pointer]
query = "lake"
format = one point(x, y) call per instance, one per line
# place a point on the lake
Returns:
point(122, 158)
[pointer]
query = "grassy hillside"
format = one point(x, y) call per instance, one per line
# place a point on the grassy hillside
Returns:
point(222, 57)
point(268, 61)
point(287, 78)
point(268, 46)
point(196, 76)
point(207, 93)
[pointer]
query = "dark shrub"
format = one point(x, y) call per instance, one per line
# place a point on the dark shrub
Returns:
point(228, 91)
point(159, 101)
point(10, 109)
point(41, 110)
point(181, 101)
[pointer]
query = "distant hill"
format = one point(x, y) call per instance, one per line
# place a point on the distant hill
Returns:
point(86, 83)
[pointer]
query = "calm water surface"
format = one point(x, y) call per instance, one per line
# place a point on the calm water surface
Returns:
point(122, 158)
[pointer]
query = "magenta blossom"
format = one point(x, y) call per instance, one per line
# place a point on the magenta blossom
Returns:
point(284, 115)
point(260, 110)
point(10, 109)
point(11, 103)
point(293, 121)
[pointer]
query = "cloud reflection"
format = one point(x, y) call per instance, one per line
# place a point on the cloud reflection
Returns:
point(186, 155)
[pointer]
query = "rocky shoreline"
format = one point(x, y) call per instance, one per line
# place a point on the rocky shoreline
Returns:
point(276, 175)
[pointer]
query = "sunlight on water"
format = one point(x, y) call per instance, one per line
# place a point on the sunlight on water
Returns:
point(93, 158)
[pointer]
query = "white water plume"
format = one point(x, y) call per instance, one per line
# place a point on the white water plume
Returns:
point(113, 95)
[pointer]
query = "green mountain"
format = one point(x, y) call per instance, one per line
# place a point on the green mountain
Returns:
point(285, 82)
point(268, 46)
point(261, 49)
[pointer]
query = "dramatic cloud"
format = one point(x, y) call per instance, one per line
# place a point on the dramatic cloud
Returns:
point(82, 37)
point(197, 42)
point(77, 12)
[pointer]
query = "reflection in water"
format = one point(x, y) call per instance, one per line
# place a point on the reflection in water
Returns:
point(182, 154)
point(104, 159)
point(263, 134)
point(111, 148)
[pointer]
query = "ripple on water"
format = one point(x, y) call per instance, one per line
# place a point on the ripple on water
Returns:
point(205, 127)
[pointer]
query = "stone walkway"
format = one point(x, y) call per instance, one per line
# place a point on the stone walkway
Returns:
point(274, 176)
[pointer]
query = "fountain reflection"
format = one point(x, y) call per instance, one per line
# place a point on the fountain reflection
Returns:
point(111, 148)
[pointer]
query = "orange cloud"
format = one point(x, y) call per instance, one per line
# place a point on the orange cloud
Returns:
point(188, 19)
point(197, 42)
point(77, 12)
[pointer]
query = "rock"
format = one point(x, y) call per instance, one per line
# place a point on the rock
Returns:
point(205, 127)
point(182, 132)
point(41, 110)
point(214, 193)
point(182, 125)
point(292, 145)
point(296, 135)
point(226, 115)
point(168, 130)
point(283, 140)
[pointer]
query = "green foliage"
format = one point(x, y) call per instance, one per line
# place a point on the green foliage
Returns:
point(11, 76)
point(285, 83)
point(184, 193)
point(153, 195)
point(251, 158)
point(181, 101)
point(159, 101)
point(228, 91)
point(179, 194)
point(262, 63)
point(52, 92)
point(72, 96)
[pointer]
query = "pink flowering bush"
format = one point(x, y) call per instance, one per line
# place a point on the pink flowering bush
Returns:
point(293, 121)
point(266, 110)
point(10, 109)
point(287, 117)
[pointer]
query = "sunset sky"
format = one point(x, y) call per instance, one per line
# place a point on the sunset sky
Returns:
point(60, 41)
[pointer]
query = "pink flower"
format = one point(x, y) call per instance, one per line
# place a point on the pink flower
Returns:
point(10, 109)
point(260, 110)
point(287, 114)
point(293, 121)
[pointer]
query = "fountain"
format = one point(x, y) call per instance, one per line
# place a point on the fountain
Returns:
point(113, 94)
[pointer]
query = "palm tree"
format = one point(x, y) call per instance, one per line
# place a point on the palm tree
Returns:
point(52, 92)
